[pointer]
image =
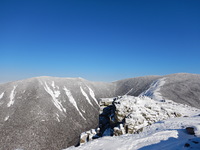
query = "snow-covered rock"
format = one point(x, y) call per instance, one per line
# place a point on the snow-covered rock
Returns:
point(119, 130)
point(129, 114)
point(134, 113)
point(197, 130)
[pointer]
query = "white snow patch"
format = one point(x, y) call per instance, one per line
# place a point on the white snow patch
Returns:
point(53, 84)
point(154, 90)
point(92, 95)
point(12, 96)
point(6, 118)
point(86, 96)
point(129, 91)
point(57, 117)
point(54, 94)
point(1, 96)
point(72, 101)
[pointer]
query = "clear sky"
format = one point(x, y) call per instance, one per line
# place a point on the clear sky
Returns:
point(100, 40)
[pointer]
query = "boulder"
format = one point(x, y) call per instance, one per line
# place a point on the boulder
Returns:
point(190, 130)
point(194, 130)
point(119, 130)
point(87, 136)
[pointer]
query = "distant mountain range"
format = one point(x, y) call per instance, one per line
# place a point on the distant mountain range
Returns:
point(50, 112)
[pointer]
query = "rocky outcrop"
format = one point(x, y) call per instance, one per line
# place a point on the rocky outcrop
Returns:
point(137, 112)
point(129, 115)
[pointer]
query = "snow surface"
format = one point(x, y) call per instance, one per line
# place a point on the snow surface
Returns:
point(12, 96)
point(166, 135)
point(86, 96)
point(55, 94)
point(57, 117)
point(6, 118)
point(72, 101)
point(1, 96)
point(129, 91)
point(153, 91)
point(53, 84)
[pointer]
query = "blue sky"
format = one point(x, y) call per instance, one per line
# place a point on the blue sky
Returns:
point(100, 40)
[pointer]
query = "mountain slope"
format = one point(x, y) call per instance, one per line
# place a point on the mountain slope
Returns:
point(182, 88)
point(134, 86)
point(47, 112)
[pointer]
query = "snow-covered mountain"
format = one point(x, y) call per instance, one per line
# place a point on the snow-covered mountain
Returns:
point(50, 112)
point(181, 87)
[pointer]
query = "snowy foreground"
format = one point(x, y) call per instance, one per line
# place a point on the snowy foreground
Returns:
point(168, 134)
